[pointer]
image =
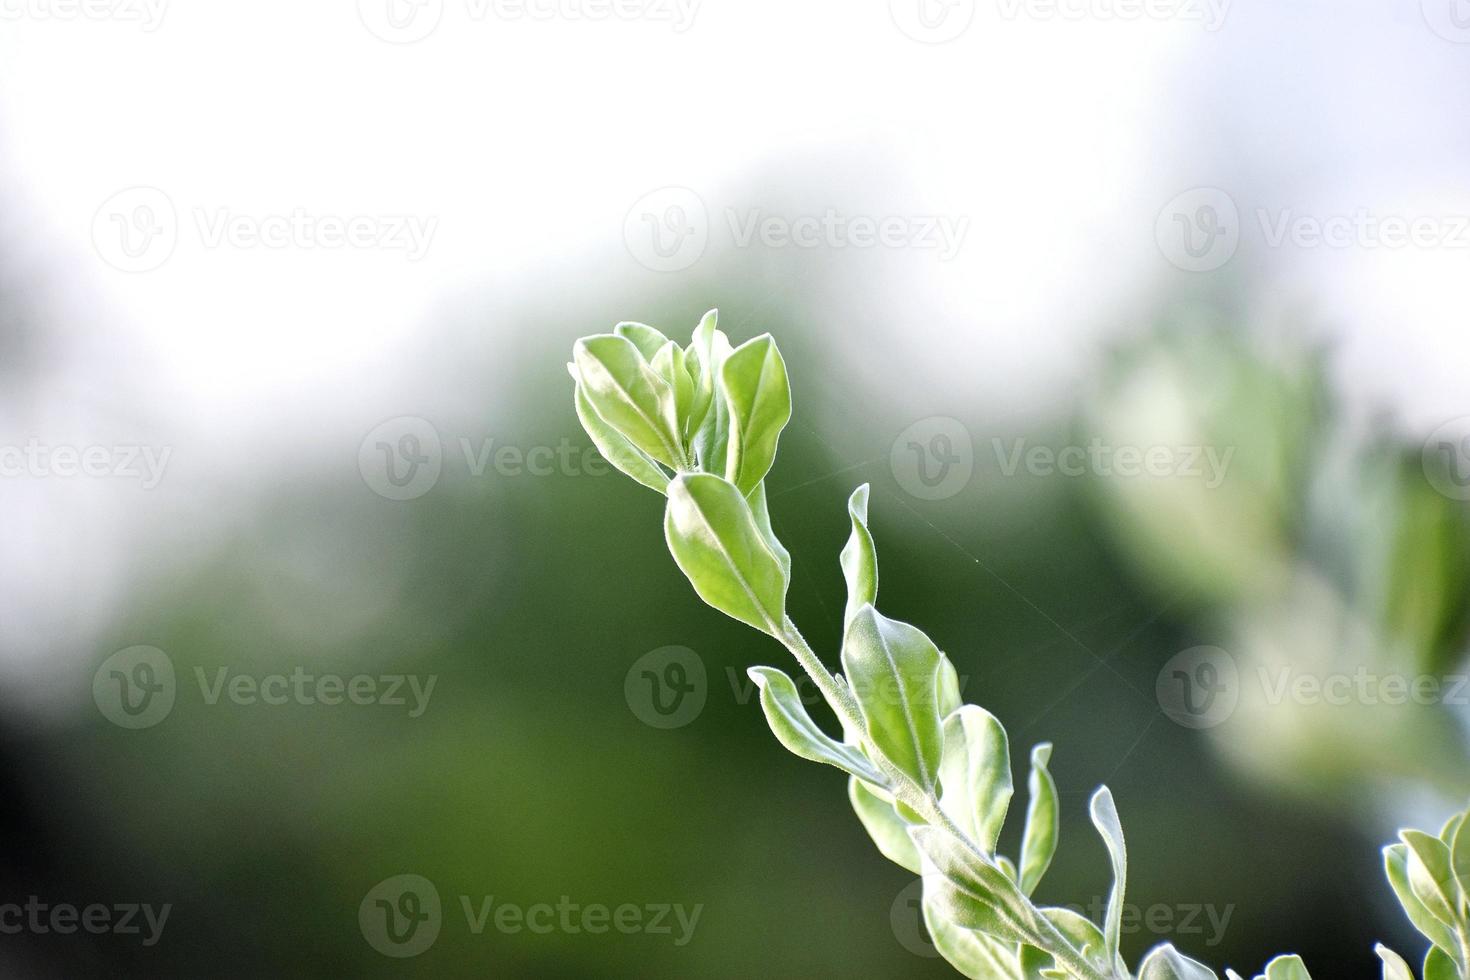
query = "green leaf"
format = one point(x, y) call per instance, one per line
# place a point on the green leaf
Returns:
point(1080, 931)
point(1036, 964)
point(1043, 823)
point(758, 394)
point(712, 439)
point(1008, 866)
point(795, 729)
point(1394, 965)
point(893, 669)
point(1447, 832)
point(1430, 876)
point(975, 774)
point(1460, 860)
point(719, 547)
point(881, 820)
point(648, 340)
point(1396, 867)
point(950, 699)
point(974, 954)
point(629, 395)
point(617, 450)
point(1167, 963)
point(1105, 819)
point(668, 363)
point(971, 892)
point(1287, 968)
point(762, 512)
point(699, 358)
point(1440, 965)
point(859, 558)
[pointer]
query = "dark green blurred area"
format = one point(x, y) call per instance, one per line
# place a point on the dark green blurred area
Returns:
point(528, 777)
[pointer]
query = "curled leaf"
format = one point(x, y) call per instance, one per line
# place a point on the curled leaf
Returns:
point(758, 394)
point(859, 558)
point(1043, 824)
point(699, 359)
point(1105, 819)
point(794, 728)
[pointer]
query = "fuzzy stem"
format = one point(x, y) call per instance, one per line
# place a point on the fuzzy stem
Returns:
point(917, 798)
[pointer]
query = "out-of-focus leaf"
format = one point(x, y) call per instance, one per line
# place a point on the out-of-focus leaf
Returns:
point(1425, 578)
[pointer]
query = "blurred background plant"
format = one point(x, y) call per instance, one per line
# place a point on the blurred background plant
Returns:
point(1326, 552)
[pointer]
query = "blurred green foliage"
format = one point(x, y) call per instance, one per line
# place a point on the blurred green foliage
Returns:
point(529, 778)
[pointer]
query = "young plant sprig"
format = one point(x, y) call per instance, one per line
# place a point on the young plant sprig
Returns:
point(928, 776)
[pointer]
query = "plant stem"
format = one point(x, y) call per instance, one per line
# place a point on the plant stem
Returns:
point(917, 798)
